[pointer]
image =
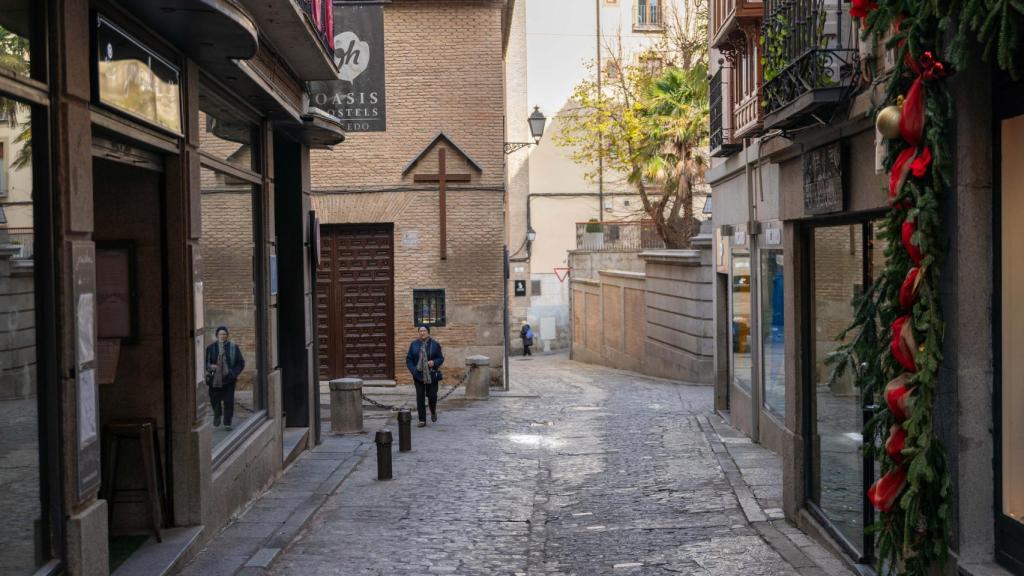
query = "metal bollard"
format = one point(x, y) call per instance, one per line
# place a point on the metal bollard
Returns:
point(404, 431)
point(383, 440)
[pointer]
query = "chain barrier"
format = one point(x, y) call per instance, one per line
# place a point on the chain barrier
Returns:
point(393, 408)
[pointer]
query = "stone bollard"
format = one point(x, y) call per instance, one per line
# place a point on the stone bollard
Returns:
point(478, 386)
point(346, 405)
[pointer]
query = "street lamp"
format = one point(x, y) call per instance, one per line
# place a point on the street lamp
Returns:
point(536, 121)
point(531, 235)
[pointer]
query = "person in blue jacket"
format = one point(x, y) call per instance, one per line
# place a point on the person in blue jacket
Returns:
point(424, 361)
point(224, 362)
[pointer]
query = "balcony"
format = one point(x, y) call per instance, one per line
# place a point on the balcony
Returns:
point(617, 236)
point(301, 31)
point(722, 143)
point(647, 16)
point(811, 60)
point(729, 17)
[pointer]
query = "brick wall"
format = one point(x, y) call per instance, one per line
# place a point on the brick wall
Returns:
point(444, 73)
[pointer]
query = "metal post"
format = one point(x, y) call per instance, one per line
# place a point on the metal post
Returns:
point(404, 431)
point(383, 440)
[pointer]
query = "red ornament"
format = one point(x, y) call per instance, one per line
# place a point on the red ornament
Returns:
point(897, 397)
point(908, 291)
point(907, 235)
point(903, 344)
point(919, 167)
point(896, 443)
point(861, 8)
point(885, 490)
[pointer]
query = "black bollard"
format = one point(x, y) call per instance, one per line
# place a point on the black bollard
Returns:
point(383, 440)
point(404, 431)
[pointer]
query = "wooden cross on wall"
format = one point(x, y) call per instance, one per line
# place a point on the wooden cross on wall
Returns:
point(442, 178)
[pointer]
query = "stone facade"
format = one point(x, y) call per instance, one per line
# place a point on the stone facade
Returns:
point(446, 81)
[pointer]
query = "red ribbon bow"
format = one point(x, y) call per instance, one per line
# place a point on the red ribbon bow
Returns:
point(861, 8)
point(927, 68)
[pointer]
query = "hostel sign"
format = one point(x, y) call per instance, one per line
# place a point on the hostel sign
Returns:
point(357, 96)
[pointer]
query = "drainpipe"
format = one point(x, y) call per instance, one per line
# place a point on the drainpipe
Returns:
point(753, 232)
point(600, 138)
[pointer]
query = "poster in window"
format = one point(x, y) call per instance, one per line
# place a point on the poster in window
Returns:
point(357, 96)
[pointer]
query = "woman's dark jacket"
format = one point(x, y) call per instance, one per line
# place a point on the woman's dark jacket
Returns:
point(433, 353)
point(523, 334)
point(233, 357)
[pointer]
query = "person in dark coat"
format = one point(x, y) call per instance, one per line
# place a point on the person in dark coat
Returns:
point(424, 361)
point(526, 333)
point(224, 362)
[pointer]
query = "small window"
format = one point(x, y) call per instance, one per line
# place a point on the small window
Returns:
point(428, 307)
point(535, 287)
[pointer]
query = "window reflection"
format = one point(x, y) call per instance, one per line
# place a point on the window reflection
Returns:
point(224, 133)
point(739, 292)
point(228, 249)
point(838, 486)
point(772, 329)
point(15, 26)
point(21, 526)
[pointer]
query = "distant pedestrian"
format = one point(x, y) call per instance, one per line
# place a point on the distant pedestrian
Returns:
point(224, 362)
point(424, 361)
point(526, 333)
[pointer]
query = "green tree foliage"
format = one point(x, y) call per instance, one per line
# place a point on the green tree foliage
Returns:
point(648, 123)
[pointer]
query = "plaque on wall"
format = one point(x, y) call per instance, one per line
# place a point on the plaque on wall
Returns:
point(520, 288)
point(114, 291)
point(823, 180)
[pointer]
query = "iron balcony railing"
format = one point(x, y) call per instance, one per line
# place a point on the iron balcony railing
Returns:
point(648, 15)
point(810, 58)
point(721, 132)
point(617, 236)
point(22, 238)
point(321, 12)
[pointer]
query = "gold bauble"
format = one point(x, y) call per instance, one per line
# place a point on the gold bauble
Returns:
point(888, 122)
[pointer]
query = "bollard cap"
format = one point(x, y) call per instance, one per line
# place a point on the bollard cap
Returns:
point(383, 437)
point(404, 416)
point(478, 361)
point(347, 384)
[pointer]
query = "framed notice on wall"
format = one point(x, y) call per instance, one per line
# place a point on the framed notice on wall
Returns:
point(115, 290)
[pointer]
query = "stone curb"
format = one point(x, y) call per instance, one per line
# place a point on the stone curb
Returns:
point(806, 556)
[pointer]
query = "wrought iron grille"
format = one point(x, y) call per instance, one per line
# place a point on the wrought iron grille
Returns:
point(428, 307)
point(617, 236)
point(808, 45)
point(716, 105)
point(648, 15)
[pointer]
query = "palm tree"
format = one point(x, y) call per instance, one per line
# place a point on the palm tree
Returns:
point(675, 155)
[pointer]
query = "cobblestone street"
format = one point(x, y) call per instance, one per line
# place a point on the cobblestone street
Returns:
point(577, 470)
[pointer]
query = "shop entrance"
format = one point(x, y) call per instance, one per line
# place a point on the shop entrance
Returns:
point(132, 344)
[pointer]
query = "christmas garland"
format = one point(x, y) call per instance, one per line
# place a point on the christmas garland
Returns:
point(898, 324)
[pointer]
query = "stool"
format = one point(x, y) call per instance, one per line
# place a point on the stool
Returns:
point(143, 431)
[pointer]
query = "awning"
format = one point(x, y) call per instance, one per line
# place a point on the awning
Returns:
point(204, 29)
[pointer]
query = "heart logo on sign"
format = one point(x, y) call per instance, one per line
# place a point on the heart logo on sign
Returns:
point(351, 54)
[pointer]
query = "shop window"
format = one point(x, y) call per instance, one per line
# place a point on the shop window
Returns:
point(21, 512)
point(843, 260)
point(428, 307)
point(233, 275)
point(772, 328)
point(739, 293)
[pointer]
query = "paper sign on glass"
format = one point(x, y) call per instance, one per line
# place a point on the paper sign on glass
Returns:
point(86, 407)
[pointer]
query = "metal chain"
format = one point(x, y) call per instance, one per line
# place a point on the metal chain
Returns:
point(393, 408)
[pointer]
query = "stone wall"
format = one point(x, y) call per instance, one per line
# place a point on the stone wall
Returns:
point(657, 322)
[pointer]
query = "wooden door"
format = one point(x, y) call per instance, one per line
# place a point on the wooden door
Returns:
point(355, 297)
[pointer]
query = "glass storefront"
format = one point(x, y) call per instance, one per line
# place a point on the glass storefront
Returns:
point(773, 349)
point(843, 259)
point(739, 306)
point(229, 246)
point(1010, 291)
point(21, 512)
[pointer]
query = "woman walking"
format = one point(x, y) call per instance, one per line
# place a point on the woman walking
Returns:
point(424, 360)
point(224, 362)
point(526, 333)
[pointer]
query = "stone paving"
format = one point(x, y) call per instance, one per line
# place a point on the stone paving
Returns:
point(578, 470)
